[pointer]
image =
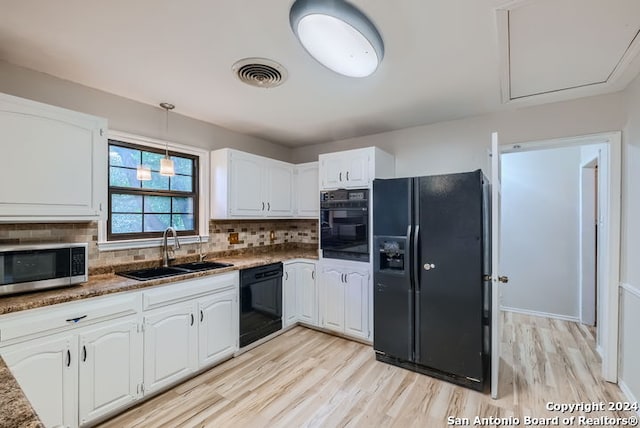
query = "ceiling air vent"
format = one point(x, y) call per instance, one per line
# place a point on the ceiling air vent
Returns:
point(260, 72)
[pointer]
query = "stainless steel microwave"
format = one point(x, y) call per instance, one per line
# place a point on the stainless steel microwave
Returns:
point(37, 267)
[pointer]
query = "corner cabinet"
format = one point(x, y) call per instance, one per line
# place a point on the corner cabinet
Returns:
point(345, 291)
point(299, 293)
point(250, 186)
point(306, 190)
point(353, 169)
point(55, 160)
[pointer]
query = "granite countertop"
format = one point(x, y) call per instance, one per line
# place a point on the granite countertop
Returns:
point(108, 283)
point(15, 409)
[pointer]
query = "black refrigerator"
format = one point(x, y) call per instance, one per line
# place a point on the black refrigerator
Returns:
point(432, 265)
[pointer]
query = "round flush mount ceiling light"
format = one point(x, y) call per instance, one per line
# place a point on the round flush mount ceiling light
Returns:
point(338, 36)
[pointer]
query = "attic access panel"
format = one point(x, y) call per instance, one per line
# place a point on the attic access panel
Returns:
point(558, 45)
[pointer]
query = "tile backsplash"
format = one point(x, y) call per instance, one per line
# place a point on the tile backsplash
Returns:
point(251, 233)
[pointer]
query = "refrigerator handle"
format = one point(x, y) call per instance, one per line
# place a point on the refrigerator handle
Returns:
point(415, 259)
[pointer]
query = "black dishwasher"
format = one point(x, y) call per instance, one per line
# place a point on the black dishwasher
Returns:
point(260, 302)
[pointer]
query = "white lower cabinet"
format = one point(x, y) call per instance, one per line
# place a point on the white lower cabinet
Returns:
point(110, 367)
point(170, 345)
point(47, 371)
point(344, 303)
point(299, 293)
point(218, 330)
point(77, 377)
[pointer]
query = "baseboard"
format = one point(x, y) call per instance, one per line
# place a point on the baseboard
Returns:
point(627, 392)
point(540, 314)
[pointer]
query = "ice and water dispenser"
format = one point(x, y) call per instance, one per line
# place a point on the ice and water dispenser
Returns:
point(390, 254)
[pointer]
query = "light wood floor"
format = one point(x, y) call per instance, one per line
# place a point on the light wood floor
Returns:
point(305, 378)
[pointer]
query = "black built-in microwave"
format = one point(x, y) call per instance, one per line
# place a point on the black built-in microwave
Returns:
point(36, 267)
point(344, 224)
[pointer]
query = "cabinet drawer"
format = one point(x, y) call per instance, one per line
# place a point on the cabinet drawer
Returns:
point(186, 290)
point(65, 316)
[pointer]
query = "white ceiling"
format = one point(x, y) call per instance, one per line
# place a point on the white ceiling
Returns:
point(442, 59)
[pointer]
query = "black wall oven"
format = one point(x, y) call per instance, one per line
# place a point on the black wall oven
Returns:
point(344, 224)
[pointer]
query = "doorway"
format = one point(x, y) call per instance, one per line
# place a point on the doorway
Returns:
point(601, 295)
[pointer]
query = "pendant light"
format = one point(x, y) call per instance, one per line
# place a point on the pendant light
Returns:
point(143, 172)
point(338, 36)
point(166, 164)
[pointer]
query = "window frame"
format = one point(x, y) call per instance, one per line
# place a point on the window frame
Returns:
point(152, 192)
point(204, 162)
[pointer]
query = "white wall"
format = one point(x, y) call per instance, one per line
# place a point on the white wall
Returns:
point(540, 231)
point(462, 145)
point(630, 254)
point(127, 115)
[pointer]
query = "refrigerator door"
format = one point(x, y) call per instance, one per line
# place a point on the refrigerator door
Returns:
point(393, 294)
point(449, 293)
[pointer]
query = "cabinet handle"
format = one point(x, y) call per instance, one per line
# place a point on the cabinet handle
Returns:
point(340, 176)
point(268, 206)
point(286, 276)
point(313, 274)
point(84, 353)
point(192, 319)
point(201, 315)
point(68, 358)
point(263, 206)
point(347, 175)
point(75, 320)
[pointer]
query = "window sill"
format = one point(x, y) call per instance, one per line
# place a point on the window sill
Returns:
point(145, 243)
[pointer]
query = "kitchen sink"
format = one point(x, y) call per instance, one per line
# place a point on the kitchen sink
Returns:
point(200, 266)
point(164, 272)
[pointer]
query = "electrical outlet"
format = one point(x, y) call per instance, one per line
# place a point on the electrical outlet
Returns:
point(233, 238)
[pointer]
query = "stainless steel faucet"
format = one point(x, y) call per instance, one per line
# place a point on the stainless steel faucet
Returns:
point(165, 247)
point(202, 256)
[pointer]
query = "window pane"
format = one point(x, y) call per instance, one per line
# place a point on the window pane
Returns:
point(183, 221)
point(156, 222)
point(182, 166)
point(157, 204)
point(183, 205)
point(122, 156)
point(157, 182)
point(122, 177)
point(126, 223)
point(126, 203)
point(152, 159)
point(182, 183)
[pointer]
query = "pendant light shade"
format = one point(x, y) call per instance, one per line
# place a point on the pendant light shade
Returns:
point(338, 36)
point(143, 173)
point(166, 164)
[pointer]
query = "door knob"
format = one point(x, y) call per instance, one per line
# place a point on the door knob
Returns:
point(429, 266)
point(503, 279)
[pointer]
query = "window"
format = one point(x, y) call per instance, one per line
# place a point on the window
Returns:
point(144, 209)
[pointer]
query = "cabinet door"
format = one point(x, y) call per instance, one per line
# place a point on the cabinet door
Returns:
point(110, 359)
point(279, 197)
point(218, 330)
point(71, 145)
point(170, 345)
point(331, 172)
point(356, 306)
point(47, 372)
point(306, 293)
point(289, 291)
point(247, 186)
point(307, 191)
point(333, 299)
point(357, 170)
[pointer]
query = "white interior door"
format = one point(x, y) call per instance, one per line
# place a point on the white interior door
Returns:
point(496, 319)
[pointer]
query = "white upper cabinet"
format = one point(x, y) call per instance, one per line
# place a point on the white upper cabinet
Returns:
point(250, 186)
point(307, 197)
point(354, 168)
point(55, 160)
